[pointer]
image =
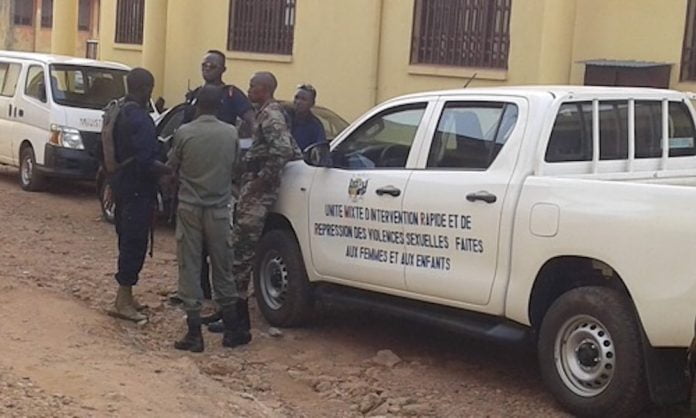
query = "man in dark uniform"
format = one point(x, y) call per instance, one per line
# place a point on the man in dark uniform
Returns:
point(307, 129)
point(134, 188)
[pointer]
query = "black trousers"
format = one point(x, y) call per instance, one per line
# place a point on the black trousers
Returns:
point(134, 216)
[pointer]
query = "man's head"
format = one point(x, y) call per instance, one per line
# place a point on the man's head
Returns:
point(213, 66)
point(262, 87)
point(208, 100)
point(140, 83)
point(305, 98)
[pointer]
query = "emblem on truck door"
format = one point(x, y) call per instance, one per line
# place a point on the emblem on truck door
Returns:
point(357, 187)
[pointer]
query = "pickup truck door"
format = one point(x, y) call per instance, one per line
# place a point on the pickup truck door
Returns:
point(355, 206)
point(458, 193)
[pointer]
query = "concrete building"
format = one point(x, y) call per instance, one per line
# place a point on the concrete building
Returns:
point(31, 25)
point(360, 52)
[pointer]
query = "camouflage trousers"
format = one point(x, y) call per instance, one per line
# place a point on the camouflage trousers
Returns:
point(249, 219)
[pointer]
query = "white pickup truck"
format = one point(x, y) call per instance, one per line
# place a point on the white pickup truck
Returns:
point(564, 216)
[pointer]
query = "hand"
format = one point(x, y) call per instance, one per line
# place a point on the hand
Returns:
point(168, 185)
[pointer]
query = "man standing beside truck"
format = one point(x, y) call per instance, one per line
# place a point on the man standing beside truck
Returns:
point(134, 187)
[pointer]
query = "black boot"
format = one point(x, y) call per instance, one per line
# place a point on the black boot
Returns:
point(236, 321)
point(216, 327)
point(193, 340)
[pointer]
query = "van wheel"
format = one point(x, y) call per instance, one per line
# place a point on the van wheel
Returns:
point(106, 199)
point(283, 292)
point(29, 178)
point(591, 354)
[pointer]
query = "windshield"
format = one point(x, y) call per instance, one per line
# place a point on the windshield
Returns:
point(85, 86)
point(333, 124)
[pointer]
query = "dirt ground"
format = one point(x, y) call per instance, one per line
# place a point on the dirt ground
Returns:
point(61, 355)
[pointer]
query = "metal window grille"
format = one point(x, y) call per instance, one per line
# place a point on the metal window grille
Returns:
point(46, 13)
point(688, 62)
point(129, 21)
point(84, 16)
point(461, 33)
point(23, 11)
point(264, 26)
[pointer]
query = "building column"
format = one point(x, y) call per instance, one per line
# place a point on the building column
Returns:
point(64, 33)
point(155, 40)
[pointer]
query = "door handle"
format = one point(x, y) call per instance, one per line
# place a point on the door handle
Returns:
point(21, 113)
point(482, 196)
point(9, 111)
point(390, 190)
point(14, 113)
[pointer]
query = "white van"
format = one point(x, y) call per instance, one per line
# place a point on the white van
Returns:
point(51, 114)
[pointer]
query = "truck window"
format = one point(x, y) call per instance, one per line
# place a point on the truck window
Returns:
point(384, 141)
point(36, 85)
point(571, 136)
point(681, 131)
point(9, 82)
point(470, 135)
point(648, 129)
point(613, 130)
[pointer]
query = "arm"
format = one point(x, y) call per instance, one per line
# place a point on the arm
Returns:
point(145, 146)
point(281, 146)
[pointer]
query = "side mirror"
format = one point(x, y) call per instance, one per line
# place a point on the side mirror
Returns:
point(318, 155)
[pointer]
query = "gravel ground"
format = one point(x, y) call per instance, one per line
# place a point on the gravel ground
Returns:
point(58, 264)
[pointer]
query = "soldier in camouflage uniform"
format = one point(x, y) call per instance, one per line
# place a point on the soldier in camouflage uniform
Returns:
point(272, 148)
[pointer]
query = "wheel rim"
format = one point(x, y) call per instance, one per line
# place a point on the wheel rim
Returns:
point(273, 280)
point(26, 170)
point(108, 204)
point(585, 356)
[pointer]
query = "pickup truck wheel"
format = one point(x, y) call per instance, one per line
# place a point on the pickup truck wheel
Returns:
point(108, 206)
point(591, 355)
point(283, 292)
point(29, 178)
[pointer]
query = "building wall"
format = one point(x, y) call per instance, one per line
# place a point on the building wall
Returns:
point(357, 53)
point(647, 30)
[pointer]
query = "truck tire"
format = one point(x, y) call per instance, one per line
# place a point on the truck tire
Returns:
point(283, 292)
point(591, 354)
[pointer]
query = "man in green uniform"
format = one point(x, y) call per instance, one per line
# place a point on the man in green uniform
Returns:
point(205, 154)
point(272, 148)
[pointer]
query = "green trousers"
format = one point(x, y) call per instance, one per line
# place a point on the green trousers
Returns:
point(194, 226)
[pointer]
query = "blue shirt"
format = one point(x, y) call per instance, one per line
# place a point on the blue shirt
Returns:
point(307, 131)
point(134, 136)
point(234, 105)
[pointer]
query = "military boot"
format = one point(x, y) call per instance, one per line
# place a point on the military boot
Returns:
point(124, 307)
point(193, 340)
point(236, 321)
point(214, 322)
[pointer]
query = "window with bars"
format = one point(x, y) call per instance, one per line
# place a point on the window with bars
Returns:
point(129, 21)
point(23, 11)
point(263, 26)
point(688, 62)
point(46, 13)
point(461, 33)
point(84, 15)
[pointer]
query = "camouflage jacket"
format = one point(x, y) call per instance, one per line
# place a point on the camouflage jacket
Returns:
point(273, 144)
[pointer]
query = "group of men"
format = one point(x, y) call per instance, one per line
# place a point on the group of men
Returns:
point(203, 164)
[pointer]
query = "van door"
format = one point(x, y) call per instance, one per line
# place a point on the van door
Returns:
point(9, 76)
point(459, 193)
point(356, 221)
point(33, 113)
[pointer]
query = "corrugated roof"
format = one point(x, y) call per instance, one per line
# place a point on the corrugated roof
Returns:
point(625, 63)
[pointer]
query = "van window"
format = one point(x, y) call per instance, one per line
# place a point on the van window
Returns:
point(85, 86)
point(681, 131)
point(571, 137)
point(471, 134)
point(10, 79)
point(36, 86)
